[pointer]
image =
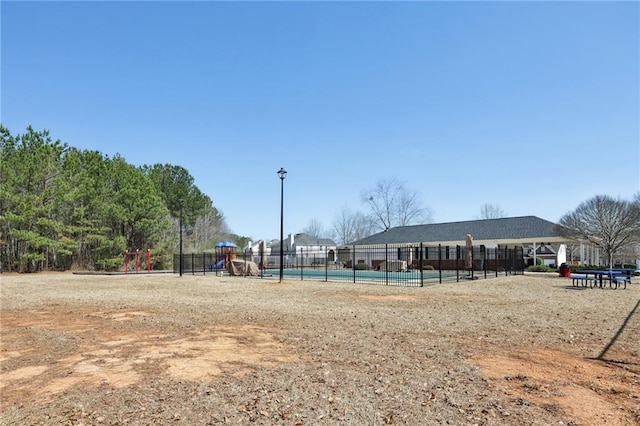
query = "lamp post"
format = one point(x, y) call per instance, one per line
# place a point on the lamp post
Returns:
point(181, 258)
point(282, 173)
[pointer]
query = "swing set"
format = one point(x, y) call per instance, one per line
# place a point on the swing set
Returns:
point(130, 255)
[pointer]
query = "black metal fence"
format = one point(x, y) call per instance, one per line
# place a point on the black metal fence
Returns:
point(195, 263)
point(408, 265)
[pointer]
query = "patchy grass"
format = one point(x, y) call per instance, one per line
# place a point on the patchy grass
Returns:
point(159, 349)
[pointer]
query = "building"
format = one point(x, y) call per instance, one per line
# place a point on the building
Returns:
point(306, 249)
point(529, 232)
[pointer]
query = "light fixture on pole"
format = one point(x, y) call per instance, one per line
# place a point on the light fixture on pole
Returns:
point(282, 173)
point(181, 258)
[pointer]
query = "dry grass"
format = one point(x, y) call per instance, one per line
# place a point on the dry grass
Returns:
point(161, 349)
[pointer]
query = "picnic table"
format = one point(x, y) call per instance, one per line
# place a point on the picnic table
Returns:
point(600, 276)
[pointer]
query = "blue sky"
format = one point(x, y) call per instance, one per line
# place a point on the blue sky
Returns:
point(530, 106)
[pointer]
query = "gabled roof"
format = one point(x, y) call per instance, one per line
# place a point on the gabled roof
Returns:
point(545, 249)
point(305, 240)
point(508, 230)
point(310, 240)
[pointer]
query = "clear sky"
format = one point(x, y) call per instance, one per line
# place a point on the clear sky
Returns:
point(530, 106)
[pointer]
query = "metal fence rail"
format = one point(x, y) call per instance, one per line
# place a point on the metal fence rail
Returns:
point(407, 265)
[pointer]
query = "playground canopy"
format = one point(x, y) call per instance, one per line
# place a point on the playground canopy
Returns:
point(226, 244)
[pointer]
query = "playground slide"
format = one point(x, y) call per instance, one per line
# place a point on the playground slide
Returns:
point(218, 265)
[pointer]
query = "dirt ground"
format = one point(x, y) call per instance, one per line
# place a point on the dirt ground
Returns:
point(160, 349)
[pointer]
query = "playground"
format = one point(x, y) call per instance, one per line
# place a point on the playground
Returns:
point(208, 349)
point(134, 259)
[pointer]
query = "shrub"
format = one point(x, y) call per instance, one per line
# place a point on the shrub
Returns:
point(539, 261)
point(541, 268)
point(361, 267)
point(428, 268)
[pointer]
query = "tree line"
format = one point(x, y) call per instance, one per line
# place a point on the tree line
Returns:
point(65, 208)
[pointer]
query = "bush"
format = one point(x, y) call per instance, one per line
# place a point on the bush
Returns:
point(428, 268)
point(361, 267)
point(539, 261)
point(541, 268)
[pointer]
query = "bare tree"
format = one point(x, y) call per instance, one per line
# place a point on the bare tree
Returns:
point(611, 224)
point(393, 204)
point(208, 229)
point(314, 228)
point(491, 211)
point(350, 226)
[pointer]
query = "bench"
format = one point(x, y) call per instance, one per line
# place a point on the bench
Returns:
point(578, 280)
point(619, 280)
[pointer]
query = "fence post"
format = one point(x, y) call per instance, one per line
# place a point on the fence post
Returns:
point(472, 262)
point(353, 263)
point(301, 263)
point(458, 251)
point(386, 264)
point(421, 265)
point(326, 264)
point(483, 252)
point(440, 263)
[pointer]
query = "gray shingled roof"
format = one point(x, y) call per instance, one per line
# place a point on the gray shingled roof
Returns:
point(305, 240)
point(506, 229)
point(310, 240)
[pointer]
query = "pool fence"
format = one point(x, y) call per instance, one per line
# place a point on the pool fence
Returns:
point(397, 265)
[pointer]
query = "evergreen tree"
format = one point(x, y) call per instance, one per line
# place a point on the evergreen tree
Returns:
point(61, 207)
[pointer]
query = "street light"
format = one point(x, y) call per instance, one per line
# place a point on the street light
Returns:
point(282, 173)
point(181, 259)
